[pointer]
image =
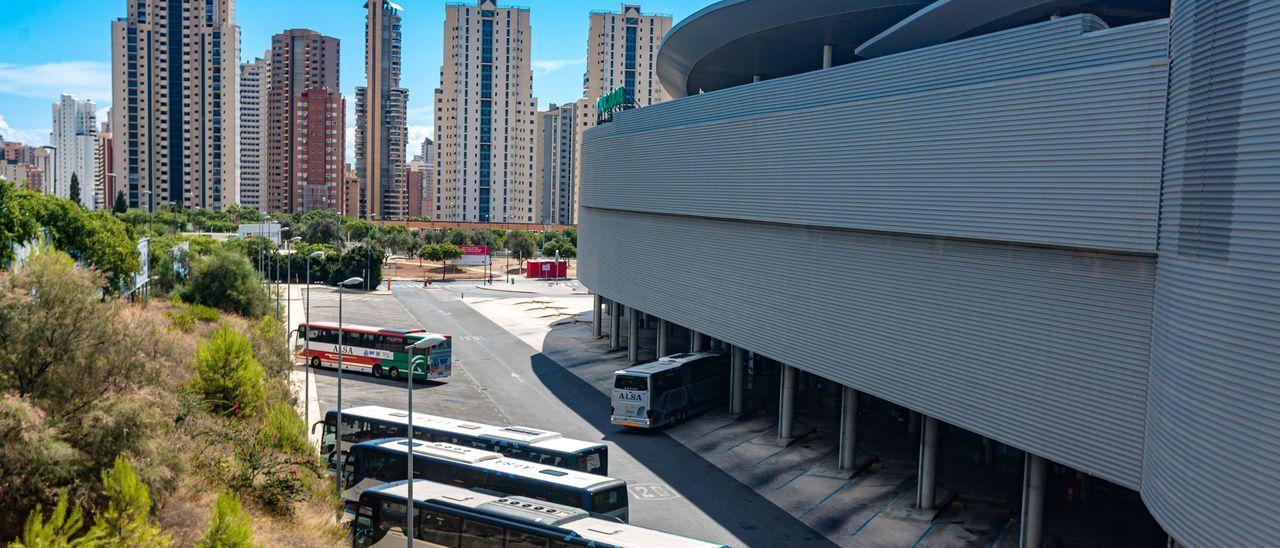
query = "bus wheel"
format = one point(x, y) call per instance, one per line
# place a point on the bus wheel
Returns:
point(377, 371)
point(395, 374)
point(315, 362)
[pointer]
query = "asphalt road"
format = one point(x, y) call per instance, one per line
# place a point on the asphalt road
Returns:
point(500, 379)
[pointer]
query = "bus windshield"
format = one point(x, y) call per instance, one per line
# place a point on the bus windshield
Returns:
point(631, 382)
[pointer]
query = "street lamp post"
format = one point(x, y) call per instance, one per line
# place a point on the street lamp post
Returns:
point(306, 376)
point(288, 281)
point(415, 362)
point(341, 460)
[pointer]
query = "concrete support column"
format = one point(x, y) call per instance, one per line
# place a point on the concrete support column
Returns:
point(1034, 472)
point(737, 380)
point(633, 335)
point(664, 337)
point(787, 403)
point(827, 50)
point(615, 325)
point(927, 480)
point(848, 427)
point(755, 78)
point(697, 341)
point(596, 303)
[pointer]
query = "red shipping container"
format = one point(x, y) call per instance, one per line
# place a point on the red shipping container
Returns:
point(546, 269)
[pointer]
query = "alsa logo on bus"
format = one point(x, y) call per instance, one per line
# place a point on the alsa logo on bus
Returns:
point(630, 396)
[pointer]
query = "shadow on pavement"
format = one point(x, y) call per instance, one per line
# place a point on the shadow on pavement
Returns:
point(365, 378)
point(752, 518)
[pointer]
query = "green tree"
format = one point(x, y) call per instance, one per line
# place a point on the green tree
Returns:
point(360, 230)
point(521, 245)
point(457, 236)
point(363, 260)
point(75, 189)
point(563, 247)
point(121, 203)
point(227, 281)
point(126, 522)
point(397, 241)
point(229, 526)
point(17, 222)
point(228, 377)
point(63, 529)
point(441, 253)
point(322, 231)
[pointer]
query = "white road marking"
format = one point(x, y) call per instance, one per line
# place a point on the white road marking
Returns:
point(652, 491)
point(517, 377)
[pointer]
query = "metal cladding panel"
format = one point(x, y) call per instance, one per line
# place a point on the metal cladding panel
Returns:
point(1212, 459)
point(1069, 43)
point(1044, 349)
point(1068, 157)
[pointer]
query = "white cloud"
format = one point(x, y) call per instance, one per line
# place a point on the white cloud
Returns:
point(29, 137)
point(84, 79)
point(548, 66)
point(351, 145)
point(416, 135)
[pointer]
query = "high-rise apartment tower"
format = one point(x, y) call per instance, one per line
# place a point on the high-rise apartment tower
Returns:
point(255, 80)
point(485, 114)
point(174, 81)
point(75, 136)
point(381, 127)
point(305, 124)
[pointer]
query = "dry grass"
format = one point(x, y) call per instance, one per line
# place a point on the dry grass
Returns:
point(186, 518)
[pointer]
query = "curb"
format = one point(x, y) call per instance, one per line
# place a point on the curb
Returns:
point(521, 291)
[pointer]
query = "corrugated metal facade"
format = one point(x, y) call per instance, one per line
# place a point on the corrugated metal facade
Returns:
point(1210, 475)
point(1066, 157)
point(1044, 349)
point(970, 230)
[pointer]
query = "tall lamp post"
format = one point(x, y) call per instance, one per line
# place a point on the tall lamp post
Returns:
point(288, 281)
point(306, 404)
point(415, 362)
point(341, 460)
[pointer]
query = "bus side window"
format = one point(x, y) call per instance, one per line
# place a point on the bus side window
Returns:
point(440, 529)
point(516, 539)
point(481, 535)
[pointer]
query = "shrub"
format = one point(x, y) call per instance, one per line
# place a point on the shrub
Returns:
point(225, 280)
point(127, 518)
point(204, 313)
point(228, 377)
point(183, 322)
point(284, 430)
point(62, 530)
point(270, 348)
point(229, 526)
point(34, 461)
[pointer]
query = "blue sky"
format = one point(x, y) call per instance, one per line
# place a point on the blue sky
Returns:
point(48, 47)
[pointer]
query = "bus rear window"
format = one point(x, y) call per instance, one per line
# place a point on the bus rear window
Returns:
point(629, 382)
point(608, 501)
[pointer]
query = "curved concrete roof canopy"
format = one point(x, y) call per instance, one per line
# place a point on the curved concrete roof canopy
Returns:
point(730, 42)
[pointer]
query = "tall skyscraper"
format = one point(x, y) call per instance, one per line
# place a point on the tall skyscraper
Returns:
point(421, 181)
point(621, 49)
point(174, 81)
point(305, 124)
point(485, 114)
point(381, 127)
point(75, 136)
point(255, 80)
point(554, 151)
point(104, 173)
